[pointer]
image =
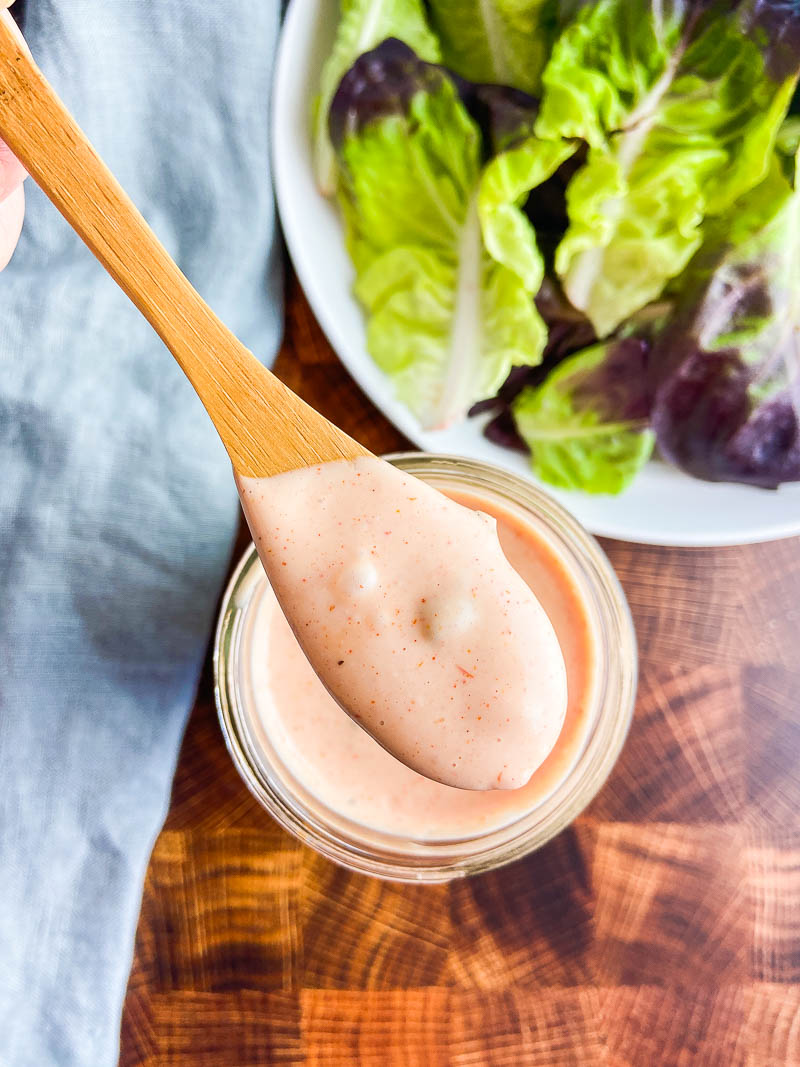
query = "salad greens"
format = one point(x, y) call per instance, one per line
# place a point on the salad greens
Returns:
point(610, 265)
point(679, 106)
point(362, 25)
point(504, 42)
point(446, 264)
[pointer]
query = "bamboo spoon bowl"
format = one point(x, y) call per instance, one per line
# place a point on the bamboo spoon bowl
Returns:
point(265, 427)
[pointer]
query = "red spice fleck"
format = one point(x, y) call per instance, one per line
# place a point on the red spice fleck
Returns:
point(466, 673)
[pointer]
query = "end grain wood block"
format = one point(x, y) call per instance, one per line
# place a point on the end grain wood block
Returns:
point(731, 1026)
point(236, 1029)
point(438, 1027)
point(684, 758)
point(653, 1025)
point(772, 750)
point(770, 1035)
point(548, 896)
point(396, 936)
point(671, 904)
point(686, 606)
point(769, 606)
point(773, 883)
point(546, 1028)
point(224, 914)
point(342, 1028)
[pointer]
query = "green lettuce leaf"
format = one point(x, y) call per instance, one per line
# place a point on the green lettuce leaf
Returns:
point(788, 142)
point(680, 103)
point(505, 42)
point(505, 185)
point(446, 261)
point(587, 424)
point(362, 25)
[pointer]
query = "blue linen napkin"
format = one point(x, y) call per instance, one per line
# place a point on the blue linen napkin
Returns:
point(117, 507)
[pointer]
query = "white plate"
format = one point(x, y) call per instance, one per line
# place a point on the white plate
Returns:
point(662, 507)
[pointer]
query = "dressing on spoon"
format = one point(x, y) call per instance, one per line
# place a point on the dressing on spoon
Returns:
point(461, 623)
point(413, 618)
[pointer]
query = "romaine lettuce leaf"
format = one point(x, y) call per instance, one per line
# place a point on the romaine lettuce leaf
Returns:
point(587, 424)
point(726, 371)
point(504, 42)
point(680, 102)
point(362, 25)
point(446, 262)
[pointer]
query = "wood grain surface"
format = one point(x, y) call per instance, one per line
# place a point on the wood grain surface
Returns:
point(662, 928)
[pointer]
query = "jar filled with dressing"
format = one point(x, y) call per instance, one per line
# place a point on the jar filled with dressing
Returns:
point(327, 781)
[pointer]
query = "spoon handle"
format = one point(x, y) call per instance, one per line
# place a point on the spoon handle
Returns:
point(265, 428)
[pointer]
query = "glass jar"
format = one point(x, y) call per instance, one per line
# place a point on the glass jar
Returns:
point(360, 848)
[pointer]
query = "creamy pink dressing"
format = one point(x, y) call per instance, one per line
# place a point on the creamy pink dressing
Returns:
point(344, 769)
point(413, 618)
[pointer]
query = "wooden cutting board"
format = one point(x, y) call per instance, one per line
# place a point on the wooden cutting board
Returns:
point(662, 928)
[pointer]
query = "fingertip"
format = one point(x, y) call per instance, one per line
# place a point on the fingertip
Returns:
point(12, 211)
point(12, 173)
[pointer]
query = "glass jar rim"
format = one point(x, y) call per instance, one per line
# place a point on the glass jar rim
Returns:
point(382, 856)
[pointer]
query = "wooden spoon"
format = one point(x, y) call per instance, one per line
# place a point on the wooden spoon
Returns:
point(264, 426)
point(267, 430)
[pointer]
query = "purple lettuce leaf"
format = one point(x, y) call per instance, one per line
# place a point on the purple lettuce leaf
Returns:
point(383, 81)
point(725, 373)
